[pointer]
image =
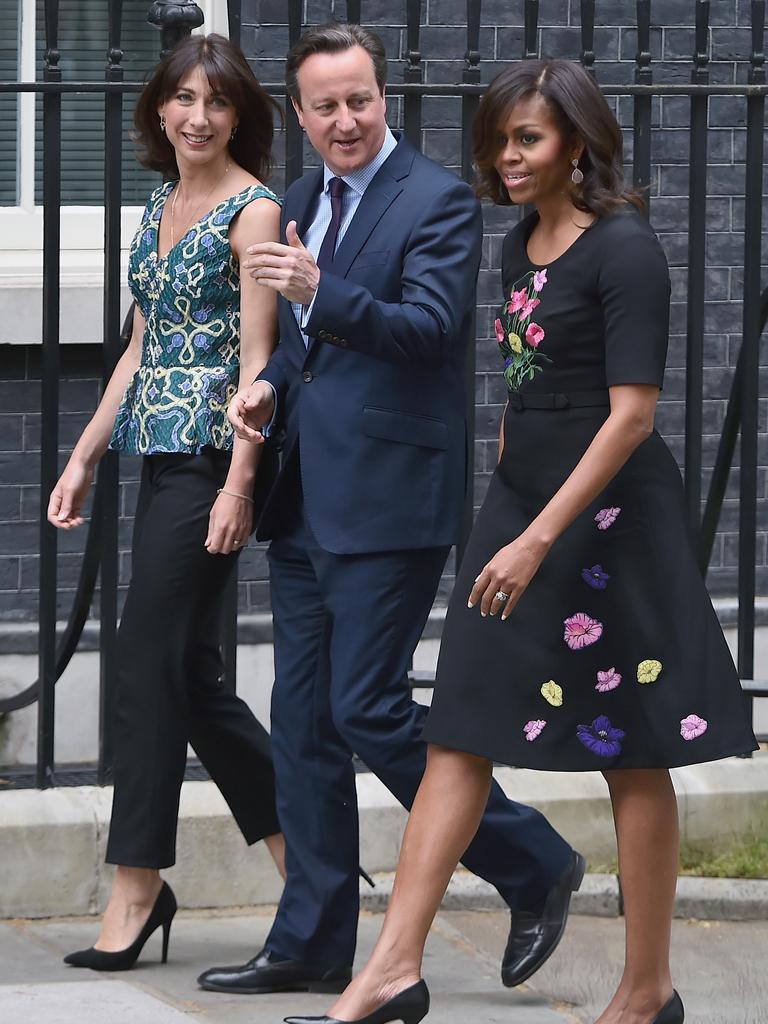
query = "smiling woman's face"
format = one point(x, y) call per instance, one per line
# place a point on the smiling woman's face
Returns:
point(199, 121)
point(533, 160)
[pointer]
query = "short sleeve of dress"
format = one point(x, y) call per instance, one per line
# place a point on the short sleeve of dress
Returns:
point(634, 290)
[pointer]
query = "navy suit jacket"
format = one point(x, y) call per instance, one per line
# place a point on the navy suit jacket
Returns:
point(376, 402)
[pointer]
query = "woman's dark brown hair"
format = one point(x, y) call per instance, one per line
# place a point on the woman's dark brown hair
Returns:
point(580, 112)
point(229, 75)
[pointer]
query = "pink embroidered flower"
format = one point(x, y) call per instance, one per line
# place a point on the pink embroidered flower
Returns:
point(499, 331)
point(581, 630)
point(533, 729)
point(692, 727)
point(529, 307)
point(519, 299)
point(606, 517)
point(539, 279)
point(607, 680)
point(534, 335)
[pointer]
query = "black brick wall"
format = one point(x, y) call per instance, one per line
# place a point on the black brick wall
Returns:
point(443, 42)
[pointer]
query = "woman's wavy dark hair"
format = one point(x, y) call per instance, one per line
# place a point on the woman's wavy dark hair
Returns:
point(228, 74)
point(580, 112)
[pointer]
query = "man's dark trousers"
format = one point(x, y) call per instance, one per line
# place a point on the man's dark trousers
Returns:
point(345, 629)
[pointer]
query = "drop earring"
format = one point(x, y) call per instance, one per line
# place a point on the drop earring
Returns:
point(576, 176)
point(234, 132)
point(162, 122)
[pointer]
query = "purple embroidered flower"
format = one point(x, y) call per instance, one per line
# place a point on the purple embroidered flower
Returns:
point(692, 727)
point(539, 279)
point(581, 630)
point(596, 577)
point(601, 737)
point(177, 340)
point(202, 316)
point(608, 680)
point(185, 386)
point(533, 729)
point(606, 517)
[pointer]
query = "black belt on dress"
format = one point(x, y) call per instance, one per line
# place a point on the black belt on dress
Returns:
point(573, 400)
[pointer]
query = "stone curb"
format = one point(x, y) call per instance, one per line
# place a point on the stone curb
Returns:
point(52, 842)
point(701, 899)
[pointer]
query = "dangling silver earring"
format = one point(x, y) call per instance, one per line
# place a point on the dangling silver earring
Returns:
point(234, 132)
point(576, 176)
point(162, 122)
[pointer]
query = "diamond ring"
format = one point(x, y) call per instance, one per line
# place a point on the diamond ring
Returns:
point(500, 596)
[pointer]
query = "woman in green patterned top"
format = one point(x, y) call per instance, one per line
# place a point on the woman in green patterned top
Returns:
point(198, 333)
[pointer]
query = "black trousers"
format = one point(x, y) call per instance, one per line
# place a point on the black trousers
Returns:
point(169, 685)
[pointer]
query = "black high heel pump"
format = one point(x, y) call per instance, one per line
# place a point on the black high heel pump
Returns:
point(161, 915)
point(672, 1012)
point(409, 1006)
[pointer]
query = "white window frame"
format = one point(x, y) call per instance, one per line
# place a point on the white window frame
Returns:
point(82, 227)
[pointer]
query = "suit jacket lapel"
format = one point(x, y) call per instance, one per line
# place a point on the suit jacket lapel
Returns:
point(378, 197)
point(301, 207)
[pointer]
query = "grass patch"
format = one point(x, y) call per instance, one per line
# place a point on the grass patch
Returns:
point(744, 857)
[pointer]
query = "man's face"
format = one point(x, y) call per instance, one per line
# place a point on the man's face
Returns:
point(341, 108)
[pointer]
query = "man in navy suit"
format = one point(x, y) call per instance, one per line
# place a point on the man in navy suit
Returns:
point(377, 282)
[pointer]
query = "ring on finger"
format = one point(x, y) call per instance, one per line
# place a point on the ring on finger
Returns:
point(500, 596)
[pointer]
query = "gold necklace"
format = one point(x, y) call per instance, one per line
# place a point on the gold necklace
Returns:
point(176, 195)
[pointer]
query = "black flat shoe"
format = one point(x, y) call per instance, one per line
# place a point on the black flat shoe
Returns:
point(409, 1006)
point(267, 972)
point(162, 914)
point(534, 935)
point(672, 1013)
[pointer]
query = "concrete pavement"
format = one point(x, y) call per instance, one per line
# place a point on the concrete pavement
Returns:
point(719, 969)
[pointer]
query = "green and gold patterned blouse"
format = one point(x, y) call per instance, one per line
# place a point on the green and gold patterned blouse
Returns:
point(190, 298)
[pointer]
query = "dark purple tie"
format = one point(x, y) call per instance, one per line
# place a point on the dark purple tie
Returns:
point(337, 188)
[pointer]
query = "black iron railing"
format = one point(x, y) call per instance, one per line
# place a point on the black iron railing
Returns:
point(176, 18)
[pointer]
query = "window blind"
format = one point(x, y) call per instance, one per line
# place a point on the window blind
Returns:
point(83, 48)
point(10, 20)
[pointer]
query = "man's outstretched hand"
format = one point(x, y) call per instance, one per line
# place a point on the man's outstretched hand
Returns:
point(250, 410)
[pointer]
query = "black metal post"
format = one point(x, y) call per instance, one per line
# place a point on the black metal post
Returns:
point(697, 237)
point(751, 350)
point(49, 406)
point(235, 21)
point(642, 112)
point(588, 35)
point(294, 136)
point(175, 19)
point(413, 72)
point(109, 468)
point(531, 30)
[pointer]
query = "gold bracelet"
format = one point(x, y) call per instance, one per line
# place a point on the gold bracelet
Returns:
point(234, 494)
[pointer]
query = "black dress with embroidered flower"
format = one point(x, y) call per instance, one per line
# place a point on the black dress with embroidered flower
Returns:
point(613, 657)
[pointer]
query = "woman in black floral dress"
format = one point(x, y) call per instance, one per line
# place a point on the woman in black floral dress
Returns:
point(580, 635)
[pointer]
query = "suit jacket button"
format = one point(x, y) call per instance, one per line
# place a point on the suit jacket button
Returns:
point(307, 376)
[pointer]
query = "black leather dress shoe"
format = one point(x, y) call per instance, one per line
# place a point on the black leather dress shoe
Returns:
point(534, 935)
point(267, 972)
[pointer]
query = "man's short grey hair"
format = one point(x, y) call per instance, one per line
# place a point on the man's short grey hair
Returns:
point(335, 37)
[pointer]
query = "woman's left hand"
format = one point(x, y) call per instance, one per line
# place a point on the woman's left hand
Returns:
point(509, 572)
point(229, 524)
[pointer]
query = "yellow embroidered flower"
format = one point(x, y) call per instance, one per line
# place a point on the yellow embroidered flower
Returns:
point(648, 671)
point(552, 693)
point(514, 342)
